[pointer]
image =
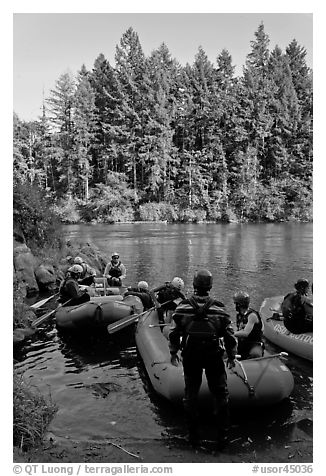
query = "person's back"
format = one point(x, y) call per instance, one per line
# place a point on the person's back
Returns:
point(69, 289)
point(297, 309)
point(200, 322)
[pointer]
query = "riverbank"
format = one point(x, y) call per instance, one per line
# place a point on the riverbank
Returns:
point(298, 450)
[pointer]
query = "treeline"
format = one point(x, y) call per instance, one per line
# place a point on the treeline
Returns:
point(151, 139)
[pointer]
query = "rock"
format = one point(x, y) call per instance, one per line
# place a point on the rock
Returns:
point(24, 263)
point(45, 277)
point(18, 233)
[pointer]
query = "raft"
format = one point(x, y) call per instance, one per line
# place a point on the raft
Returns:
point(255, 382)
point(97, 313)
point(275, 331)
point(100, 287)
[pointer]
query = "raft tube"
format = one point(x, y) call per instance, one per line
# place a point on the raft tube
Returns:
point(275, 331)
point(101, 288)
point(255, 382)
point(97, 313)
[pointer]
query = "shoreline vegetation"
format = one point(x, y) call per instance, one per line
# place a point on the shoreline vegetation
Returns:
point(152, 141)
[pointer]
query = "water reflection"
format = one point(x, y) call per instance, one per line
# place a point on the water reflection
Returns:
point(99, 382)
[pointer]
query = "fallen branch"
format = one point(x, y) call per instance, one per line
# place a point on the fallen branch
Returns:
point(126, 451)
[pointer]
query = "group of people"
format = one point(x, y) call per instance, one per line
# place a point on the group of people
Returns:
point(80, 273)
point(201, 329)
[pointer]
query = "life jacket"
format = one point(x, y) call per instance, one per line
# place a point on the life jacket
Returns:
point(296, 319)
point(200, 331)
point(63, 287)
point(292, 307)
point(115, 270)
point(256, 333)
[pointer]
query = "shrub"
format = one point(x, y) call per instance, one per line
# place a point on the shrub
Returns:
point(67, 210)
point(31, 414)
point(189, 215)
point(32, 209)
point(157, 211)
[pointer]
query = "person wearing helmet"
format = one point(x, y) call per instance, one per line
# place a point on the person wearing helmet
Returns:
point(88, 274)
point(115, 271)
point(297, 309)
point(249, 328)
point(142, 291)
point(69, 289)
point(167, 296)
point(200, 323)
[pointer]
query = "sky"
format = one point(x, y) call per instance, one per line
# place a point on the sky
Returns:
point(46, 45)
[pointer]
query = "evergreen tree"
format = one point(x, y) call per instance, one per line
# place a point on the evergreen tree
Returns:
point(61, 103)
point(105, 148)
point(85, 127)
point(260, 90)
point(159, 158)
point(285, 110)
point(133, 104)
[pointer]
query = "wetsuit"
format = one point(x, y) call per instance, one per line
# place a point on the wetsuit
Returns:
point(200, 322)
point(144, 296)
point(297, 311)
point(69, 291)
point(252, 345)
point(115, 273)
point(87, 276)
point(166, 294)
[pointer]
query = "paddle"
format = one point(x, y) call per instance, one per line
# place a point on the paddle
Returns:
point(40, 303)
point(126, 321)
point(46, 316)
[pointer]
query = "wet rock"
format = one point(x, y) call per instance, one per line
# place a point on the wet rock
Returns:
point(24, 263)
point(45, 277)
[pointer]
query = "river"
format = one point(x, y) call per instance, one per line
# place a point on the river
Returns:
point(100, 385)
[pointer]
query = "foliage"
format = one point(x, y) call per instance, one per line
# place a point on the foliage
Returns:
point(31, 414)
point(154, 211)
point(148, 130)
point(32, 210)
point(66, 209)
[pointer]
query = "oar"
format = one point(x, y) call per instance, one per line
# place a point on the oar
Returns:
point(40, 303)
point(46, 316)
point(126, 321)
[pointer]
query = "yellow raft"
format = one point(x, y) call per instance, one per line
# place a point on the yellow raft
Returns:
point(97, 313)
point(275, 331)
point(255, 382)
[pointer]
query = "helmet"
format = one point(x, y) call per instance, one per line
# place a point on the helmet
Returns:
point(242, 298)
point(203, 279)
point(178, 283)
point(143, 285)
point(78, 260)
point(115, 255)
point(75, 269)
point(302, 285)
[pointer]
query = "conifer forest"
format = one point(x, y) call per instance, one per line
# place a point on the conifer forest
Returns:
point(150, 139)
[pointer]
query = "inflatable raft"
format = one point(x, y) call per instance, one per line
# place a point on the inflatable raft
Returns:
point(97, 313)
point(275, 331)
point(255, 382)
point(100, 287)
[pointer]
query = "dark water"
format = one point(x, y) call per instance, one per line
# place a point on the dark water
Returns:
point(99, 384)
